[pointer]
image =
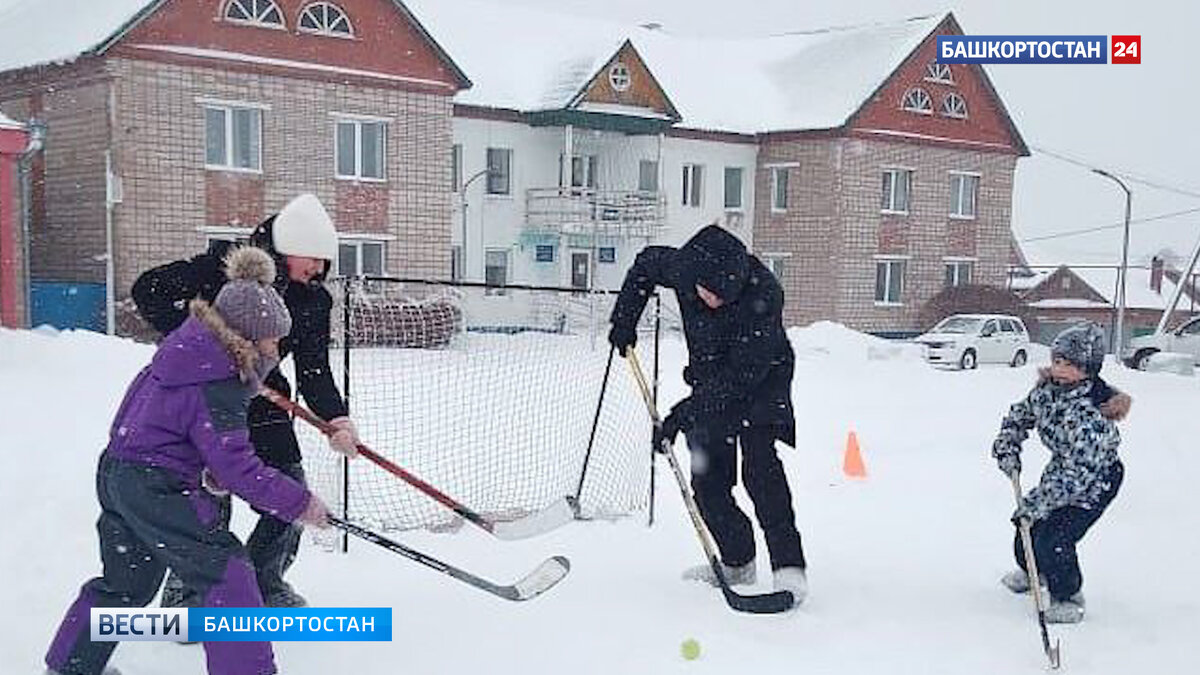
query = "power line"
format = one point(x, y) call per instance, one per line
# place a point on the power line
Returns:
point(1131, 177)
point(1100, 228)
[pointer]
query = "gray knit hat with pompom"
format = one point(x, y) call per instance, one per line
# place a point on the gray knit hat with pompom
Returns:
point(247, 302)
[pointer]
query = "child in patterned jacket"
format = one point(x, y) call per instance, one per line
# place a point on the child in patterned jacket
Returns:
point(1084, 471)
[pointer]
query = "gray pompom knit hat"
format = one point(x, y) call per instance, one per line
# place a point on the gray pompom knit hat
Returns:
point(1082, 345)
point(247, 302)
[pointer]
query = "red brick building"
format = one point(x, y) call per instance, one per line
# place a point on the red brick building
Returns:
point(174, 122)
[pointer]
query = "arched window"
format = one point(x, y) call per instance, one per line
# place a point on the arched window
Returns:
point(939, 72)
point(954, 106)
point(259, 12)
point(917, 100)
point(619, 77)
point(325, 18)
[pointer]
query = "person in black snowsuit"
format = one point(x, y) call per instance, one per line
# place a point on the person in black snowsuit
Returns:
point(740, 366)
point(302, 240)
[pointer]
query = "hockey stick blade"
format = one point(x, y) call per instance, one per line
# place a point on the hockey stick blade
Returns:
point(765, 603)
point(550, 518)
point(540, 580)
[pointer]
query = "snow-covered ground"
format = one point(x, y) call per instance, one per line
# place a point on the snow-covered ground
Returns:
point(903, 564)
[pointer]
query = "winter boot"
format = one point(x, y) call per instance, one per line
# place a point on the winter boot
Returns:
point(1066, 611)
point(285, 597)
point(739, 575)
point(1017, 581)
point(794, 581)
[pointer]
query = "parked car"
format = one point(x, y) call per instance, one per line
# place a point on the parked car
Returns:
point(966, 340)
point(1183, 340)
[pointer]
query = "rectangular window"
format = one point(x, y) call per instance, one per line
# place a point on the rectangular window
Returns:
point(360, 149)
point(360, 258)
point(733, 187)
point(779, 188)
point(584, 171)
point(456, 263)
point(958, 273)
point(889, 281)
point(499, 164)
point(896, 188)
point(648, 175)
point(233, 138)
point(544, 253)
point(495, 270)
point(456, 168)
point(776, 265)
point(607, 254)
point(964, 191)
point(693, 184)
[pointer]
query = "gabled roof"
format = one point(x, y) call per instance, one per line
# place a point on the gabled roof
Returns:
point(1103, 282)
point(45, 32)
point(531, 60)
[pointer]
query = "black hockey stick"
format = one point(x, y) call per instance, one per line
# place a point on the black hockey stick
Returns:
point(550, 572)
point(553, 516)
point(765, 603)
point(1052, 651)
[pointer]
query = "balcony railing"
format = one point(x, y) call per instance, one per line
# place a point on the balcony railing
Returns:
point(572, 210)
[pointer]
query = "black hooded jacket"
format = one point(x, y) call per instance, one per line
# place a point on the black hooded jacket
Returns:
point(740, 361)
point(162, 295)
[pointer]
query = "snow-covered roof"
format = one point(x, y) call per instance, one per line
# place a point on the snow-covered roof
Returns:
point(1138, 293)
point(38, 32)
point(528, 59)
point(1069, 303)
point(1021, 282)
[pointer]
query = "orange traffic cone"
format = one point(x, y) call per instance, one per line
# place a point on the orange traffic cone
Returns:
point(852, 464)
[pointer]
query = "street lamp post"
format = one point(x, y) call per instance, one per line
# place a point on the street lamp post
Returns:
point(1119, 338)
point(463, 251)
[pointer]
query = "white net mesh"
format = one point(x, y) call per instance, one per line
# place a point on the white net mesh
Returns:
point(490, 398)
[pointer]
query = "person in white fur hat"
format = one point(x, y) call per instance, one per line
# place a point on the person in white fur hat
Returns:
point(302, 240)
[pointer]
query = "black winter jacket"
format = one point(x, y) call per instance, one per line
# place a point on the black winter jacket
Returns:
point(162, 295)
point(740, 361)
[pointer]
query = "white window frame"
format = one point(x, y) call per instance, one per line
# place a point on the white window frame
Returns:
point(497, 290)
point(600, 255)
point(890, 261)
point(957, 193)
point(693, 189)
point(657, 181)
point(889, 207)
point(917, 100)
point(619, 77)
point(257, 20)
point(237, 235)
point(773, 260)
point(228, 109)
point(553, 253)
point(357, 243)
point(939, 72)
point(359, 121)
point(954, 106)
point(487, 179)
point(741, 205)
point(327, 29)
point(957, 263)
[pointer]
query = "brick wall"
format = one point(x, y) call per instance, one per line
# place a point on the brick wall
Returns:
point(168, 201)
point(837, 228)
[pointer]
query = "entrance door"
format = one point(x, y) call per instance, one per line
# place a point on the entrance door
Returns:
point(581, 266)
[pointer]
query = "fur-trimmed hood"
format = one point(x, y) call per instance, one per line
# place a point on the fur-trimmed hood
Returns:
point(204, 349)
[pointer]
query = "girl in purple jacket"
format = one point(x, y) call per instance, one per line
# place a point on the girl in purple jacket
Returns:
point(180, 431)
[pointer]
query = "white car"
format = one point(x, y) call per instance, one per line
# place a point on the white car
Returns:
point(966, 340)
point(1182, 340)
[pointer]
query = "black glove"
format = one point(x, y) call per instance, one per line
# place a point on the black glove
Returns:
point(665, 433)
point(622, 337)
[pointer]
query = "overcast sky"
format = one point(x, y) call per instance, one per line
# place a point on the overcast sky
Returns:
point(1136, 120)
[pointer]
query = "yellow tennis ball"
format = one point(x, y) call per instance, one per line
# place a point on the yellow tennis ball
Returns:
point(690, 649)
